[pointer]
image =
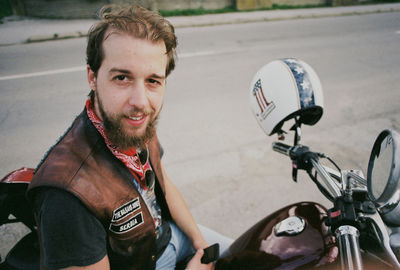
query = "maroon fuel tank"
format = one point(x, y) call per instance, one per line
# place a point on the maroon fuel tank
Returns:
point(294, 237)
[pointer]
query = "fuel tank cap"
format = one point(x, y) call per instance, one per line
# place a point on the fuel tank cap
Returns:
point(290, 226)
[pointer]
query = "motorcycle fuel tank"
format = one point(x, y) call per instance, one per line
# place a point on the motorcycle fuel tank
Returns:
point(294, 237)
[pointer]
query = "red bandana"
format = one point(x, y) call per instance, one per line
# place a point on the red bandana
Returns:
point(129, 157)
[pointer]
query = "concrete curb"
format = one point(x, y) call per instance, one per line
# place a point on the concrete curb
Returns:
point(238, 18)
point(55, 36)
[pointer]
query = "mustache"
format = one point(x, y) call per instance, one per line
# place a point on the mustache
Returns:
point(144, 112)
point(136, 111)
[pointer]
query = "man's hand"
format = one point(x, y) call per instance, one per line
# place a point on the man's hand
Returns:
point(195, 262)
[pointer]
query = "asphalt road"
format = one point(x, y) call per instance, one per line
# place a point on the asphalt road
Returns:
point(214, 150)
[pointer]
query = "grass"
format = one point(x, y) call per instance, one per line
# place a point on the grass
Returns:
point(202, 11)
point(5, 9)
point(193, 12)
point(276, 6)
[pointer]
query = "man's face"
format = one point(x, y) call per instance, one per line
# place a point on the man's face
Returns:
point(129, 88)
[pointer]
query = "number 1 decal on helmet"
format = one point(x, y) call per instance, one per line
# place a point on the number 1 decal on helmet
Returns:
point(284, 89)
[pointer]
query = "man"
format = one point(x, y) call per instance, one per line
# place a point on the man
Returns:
point(101, 195)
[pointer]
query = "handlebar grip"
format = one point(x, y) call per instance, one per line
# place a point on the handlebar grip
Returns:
point(281, 148)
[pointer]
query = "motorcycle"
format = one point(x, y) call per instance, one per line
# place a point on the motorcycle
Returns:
point(360, 231)
point(362, 228)
point(15, 208)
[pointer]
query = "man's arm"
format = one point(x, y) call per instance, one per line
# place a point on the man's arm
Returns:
point(181, 214)
point(185, 221)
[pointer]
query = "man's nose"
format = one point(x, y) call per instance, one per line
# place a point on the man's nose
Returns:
point(138, 96)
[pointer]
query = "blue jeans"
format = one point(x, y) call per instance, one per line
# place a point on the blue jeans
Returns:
point(180, 246)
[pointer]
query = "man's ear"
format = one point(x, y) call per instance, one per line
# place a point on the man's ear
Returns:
point(91, 77)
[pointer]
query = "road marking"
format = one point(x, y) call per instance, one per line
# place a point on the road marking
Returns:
point(398, 32)
point(42, 73)
point(81, 68)
point(194, 54)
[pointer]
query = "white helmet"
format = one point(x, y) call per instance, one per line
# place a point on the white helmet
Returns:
point(283, 89)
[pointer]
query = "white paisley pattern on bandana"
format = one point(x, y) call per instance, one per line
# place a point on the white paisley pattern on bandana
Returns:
point(129, 157)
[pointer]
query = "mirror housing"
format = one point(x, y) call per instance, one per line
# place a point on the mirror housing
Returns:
point(383, 176)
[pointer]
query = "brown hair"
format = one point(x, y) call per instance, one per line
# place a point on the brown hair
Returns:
point(136, 21)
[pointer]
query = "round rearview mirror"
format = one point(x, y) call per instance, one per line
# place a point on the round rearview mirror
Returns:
point(384, 173)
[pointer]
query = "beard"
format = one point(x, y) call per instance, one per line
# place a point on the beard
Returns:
point(116, 133)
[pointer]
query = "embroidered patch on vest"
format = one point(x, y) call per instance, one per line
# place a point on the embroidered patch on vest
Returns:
point(128, 225)
point(125, 210)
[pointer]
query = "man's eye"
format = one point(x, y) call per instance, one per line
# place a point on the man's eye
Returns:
point(120, 77)
point(152, 81)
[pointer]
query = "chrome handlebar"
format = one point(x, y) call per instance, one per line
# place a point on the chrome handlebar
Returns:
point(330, 183)
point(347, 235)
